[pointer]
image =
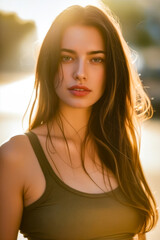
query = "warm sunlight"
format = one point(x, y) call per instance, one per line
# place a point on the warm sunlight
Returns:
point(54, 10)
point(42, 13)
point(14, 97)
point(24, 25)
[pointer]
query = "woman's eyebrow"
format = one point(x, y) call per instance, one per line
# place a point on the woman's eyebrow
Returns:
point(68, 50)
point(88, 53)
point(96, 52)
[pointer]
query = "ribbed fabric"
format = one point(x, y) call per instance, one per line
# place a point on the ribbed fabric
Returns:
point(64, 213)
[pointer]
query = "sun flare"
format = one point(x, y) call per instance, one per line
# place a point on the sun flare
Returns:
point(54, 9)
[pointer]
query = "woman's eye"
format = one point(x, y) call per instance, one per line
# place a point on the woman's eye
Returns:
point(97, 60)
point(66, 58)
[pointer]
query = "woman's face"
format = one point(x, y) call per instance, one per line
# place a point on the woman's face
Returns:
point(82, 70)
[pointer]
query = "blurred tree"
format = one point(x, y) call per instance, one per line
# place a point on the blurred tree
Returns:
point(140, 26)
point(16, 35)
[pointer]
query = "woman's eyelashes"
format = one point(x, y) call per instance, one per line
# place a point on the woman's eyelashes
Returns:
point(66, 58)
point(97, 60)
point(93, 60)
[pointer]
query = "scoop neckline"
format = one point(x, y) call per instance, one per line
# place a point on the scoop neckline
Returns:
point(65, 185)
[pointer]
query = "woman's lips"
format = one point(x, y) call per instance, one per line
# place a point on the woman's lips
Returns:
point(79, 90)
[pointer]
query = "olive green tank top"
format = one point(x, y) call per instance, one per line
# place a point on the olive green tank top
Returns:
point(64, 213)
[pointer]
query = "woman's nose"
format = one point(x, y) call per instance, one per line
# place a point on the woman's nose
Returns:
point(79, 73)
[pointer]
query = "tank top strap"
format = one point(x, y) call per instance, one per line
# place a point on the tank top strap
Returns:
point(38, 150)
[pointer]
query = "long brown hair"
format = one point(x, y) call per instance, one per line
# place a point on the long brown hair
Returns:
point(115, 118)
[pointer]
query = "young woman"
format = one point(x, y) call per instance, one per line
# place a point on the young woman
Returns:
point(76, 173)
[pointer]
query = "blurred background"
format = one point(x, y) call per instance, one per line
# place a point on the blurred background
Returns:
point(23, 25)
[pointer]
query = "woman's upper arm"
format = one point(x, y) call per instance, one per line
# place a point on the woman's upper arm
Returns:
point(11, 190)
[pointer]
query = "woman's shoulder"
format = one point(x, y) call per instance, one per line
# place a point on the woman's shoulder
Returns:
point(15, 143)
point(13, 151)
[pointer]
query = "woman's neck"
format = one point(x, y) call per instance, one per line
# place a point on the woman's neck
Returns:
point(73, 122)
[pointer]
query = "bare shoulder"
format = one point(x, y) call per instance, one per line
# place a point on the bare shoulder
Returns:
point(12, 183)
point(14, 150)
point(15, 140)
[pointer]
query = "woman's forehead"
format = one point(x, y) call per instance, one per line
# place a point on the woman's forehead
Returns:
point(82, 37)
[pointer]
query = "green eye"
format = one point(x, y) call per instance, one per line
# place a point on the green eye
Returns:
point(97, 60)
point(66, 58)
